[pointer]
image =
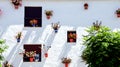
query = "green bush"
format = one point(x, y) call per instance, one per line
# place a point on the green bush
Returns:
point(102, 47)
point(3, 47)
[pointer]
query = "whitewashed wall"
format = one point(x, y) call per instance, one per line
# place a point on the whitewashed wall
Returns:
point(67, 12)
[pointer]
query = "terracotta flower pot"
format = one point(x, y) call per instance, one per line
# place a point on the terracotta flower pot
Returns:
point(35, 21)
point(16, 7)
point(46, 55)
point(66, 64)
point(71, 40)
point(118, 14)
point(85, 6)
point(48, 17)
point(31, 59)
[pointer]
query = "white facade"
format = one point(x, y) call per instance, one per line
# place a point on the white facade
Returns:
point(70, 13)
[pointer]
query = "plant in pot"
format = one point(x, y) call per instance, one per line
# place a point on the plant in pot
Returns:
point(6, 64)
point(85, 6)
point(102, 47)
point(48, 13)
point(118, 12)
point(16, 3)
point(97, 25)
point(18, 36)
point(34, 22)
point(71, 37)
point(30, 54)
point(66, 61)
point(55, 26)
point(46, 55)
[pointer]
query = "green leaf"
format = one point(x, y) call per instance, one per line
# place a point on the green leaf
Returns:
point(102, 47)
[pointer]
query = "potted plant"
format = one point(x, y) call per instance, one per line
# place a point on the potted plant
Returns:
point(6, 64)
point(46, 55)
point(66, 61)
point(16, 3)
point(30, 54)
point(56, 26)
point(85, 6)
point(18, 36)
point(118, 12)
point(72, 36)
point(97, 25)
point(48, 13)
point(102, 47)
point(34, 22)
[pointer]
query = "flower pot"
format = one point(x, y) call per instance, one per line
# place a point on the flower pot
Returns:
point(48, 17)
point(18, 40)
point(118, 14)
point(31, 59)
point(66, 64)
point(35, 21)
point(46, 55)
point(56, 31)
point(85, 6)
point(16, 7)
point(71, 40)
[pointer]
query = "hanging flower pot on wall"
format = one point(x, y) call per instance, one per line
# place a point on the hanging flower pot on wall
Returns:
point(18, 37)
point(56, 26)
point(86, 6)
point(118, 12)
point(97, 25)
point(16, 7)
point(48, 17)
point(16, 3)
point(48, 13)
point(66, 61)
point(66, 64)
point(7, 64)
point(118, 15)
point(46, 55)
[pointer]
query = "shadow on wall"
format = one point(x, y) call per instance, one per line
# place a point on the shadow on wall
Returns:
point(9, 34)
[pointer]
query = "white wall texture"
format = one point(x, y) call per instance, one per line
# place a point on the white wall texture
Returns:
point(68, 12)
